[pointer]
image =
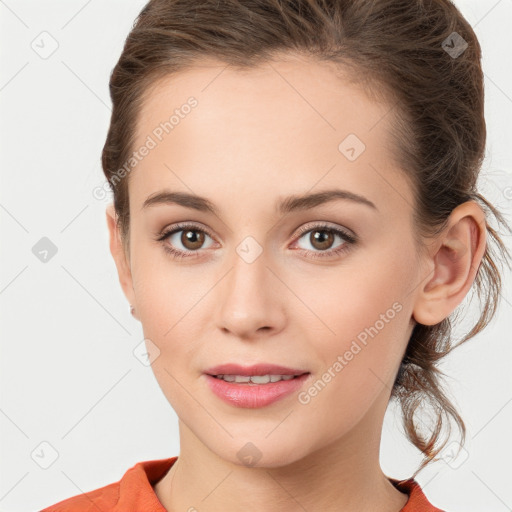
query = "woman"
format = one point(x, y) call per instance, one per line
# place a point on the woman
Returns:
point(295, 222)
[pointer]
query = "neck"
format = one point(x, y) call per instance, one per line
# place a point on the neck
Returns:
point(342, 475)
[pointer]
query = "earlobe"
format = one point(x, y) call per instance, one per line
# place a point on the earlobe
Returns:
point(455, 259)
point(118, 253)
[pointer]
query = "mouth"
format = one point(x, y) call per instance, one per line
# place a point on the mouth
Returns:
point(256, 379)
point(254, 386)
point(262, 371)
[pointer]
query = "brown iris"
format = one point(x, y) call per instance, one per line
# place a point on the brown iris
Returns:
point(193, 237)
point(323, 237)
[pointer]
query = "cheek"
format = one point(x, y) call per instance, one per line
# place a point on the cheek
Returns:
point(359, 360)
point(363, 292)
point(169, 305)
point(164, 291)
point(361, 323)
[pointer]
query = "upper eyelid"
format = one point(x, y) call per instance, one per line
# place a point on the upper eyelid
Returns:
point(321, 224)
point(182, 226)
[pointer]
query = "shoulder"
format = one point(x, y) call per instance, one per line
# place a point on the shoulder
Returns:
point(104, 498)
point(133, 492)
point(417, 502)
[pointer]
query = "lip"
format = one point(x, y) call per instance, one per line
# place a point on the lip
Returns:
point(252, 396)
point(256, 369)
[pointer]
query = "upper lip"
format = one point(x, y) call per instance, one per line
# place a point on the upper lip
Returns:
point(257, 369)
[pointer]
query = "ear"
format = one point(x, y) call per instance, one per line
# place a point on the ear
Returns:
point(121, 258)
point(453, 263)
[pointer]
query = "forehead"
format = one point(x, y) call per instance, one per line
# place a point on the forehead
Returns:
point(286, 124)
point(310, 86)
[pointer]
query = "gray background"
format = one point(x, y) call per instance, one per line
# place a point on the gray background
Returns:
point(69, 378)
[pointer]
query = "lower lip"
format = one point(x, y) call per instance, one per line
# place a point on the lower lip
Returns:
point(254, 395)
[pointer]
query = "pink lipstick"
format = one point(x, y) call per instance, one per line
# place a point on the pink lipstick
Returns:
point(254, 386)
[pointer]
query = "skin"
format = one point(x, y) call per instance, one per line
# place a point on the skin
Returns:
point(255, 137)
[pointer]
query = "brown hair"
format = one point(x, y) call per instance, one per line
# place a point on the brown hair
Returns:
point(392, 47)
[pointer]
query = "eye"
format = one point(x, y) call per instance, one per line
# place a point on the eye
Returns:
point(188, 236)
point(322, 236)
point(186, 240)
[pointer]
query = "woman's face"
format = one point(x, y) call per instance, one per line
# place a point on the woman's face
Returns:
point(262, 280)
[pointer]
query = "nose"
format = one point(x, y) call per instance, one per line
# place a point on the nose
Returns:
point(251, 299)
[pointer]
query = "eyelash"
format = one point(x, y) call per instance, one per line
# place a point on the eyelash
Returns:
point(177, 254)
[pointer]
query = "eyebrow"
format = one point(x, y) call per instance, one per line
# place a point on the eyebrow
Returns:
point(286, 205)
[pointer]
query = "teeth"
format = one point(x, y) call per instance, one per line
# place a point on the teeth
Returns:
point(255, 379)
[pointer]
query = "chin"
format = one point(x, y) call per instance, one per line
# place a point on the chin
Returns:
point(261, 452)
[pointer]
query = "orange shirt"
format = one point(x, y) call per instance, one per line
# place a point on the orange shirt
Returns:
point(134, 493)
